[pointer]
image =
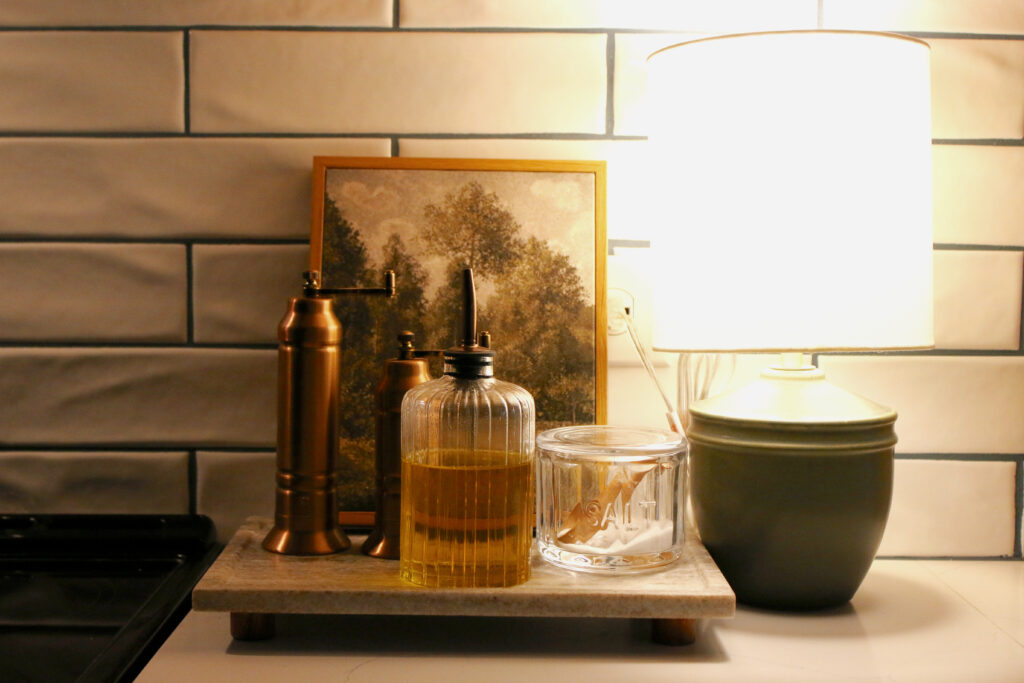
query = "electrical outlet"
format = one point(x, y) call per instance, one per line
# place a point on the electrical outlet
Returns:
point(628, 285)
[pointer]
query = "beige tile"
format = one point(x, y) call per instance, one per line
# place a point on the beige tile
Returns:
point(94, 483)
point(722, 15)
point(633, 399)
point(996, 589)
point(943, 507)
point(626, 160)
point(240, 292)
point(977, 195)
point(903, 625)
point(958, 16)
point(147, 397)
point(373, 82)
point(93, 292)
point(207, 12)
point(631, 52)
point(163, 188)
point(84, 81)
point(978, 299)
point(977, 88)
point(945, 404)
point(233, 486)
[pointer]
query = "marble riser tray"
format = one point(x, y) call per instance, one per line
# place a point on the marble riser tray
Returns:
point(253, 585)
point(246, 579)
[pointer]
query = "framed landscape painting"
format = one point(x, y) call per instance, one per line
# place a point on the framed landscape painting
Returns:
point(534, 234)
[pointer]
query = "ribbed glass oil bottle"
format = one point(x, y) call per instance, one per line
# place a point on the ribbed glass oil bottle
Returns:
point(467, 471)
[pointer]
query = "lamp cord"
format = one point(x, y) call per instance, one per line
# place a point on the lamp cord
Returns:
point(670, 413)
point(701, 375)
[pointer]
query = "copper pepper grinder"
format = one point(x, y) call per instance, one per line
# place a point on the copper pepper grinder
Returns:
point(400, 375)
point(308, 364)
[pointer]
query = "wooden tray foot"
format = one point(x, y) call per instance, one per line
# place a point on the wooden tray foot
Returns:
point(252, 626)
point(673, 631)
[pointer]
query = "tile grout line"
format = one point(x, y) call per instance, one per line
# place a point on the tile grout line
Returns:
point(1018, 522)
point(396, 28)
point(187, 95)
point(1020, 320)
point(189, 295)
point(821, 14)
point(240, 346)
point(287, 135)
point(122, 448)
point(396, 14)
point(954, 246)
point(955, 457)
point(962, 558)
point(282, 135)
point(609, 105)
point(184, 241)
point(193, 481)
point(394, 147)
point(962, 457)
point(140, 345)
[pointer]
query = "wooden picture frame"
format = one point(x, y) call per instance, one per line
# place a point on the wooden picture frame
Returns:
point(534, 232)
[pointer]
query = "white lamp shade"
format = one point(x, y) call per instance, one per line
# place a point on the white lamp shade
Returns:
point(792, 192)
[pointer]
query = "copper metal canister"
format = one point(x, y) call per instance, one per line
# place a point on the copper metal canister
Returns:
point(400, 374)
point(308, 361)
point(308, 365)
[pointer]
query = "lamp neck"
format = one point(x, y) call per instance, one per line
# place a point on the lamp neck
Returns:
point(795, 366)
point(793, 360)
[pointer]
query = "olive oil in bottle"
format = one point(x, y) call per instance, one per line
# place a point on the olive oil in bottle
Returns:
point(467, 472)
point(468, 525)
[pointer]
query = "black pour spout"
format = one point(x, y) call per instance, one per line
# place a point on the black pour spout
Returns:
point(472, 357)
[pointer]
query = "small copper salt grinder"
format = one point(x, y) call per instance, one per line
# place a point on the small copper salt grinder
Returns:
point(400, 375)
point(308, 364)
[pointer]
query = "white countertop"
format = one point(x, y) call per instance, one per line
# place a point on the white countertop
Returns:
point(911, 620)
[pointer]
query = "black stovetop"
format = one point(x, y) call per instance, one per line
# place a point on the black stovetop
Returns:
point(91, 597)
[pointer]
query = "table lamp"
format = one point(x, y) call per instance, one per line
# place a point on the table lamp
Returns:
point(792, 194)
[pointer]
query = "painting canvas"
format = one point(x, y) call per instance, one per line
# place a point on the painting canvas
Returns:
point(533, 233)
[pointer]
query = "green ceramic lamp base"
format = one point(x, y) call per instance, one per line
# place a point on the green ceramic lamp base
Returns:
point(791, 481)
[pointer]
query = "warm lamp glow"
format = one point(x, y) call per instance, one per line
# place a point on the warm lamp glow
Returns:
point(793, 176)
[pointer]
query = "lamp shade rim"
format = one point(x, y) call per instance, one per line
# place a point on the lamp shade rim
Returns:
point(808, 31)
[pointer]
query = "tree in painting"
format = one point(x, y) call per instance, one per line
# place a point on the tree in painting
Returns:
point(471, 229)
point(535, 306)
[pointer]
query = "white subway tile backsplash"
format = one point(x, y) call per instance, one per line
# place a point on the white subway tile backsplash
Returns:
point(953, 16)
point(240, 291)
point(371, 82)
point(159, 188)
point(945, 404)
point(977, 88)
point(977, 194)
point(720, 15)
point(89, 81)
point(233, 486)
point(978, 299)
point(206, 12)
point(94, 482)
point(943, 507)
point(147, 397)
point(93, 292)
point(633, 400)
point(627, 187)
point(631, 52)
point(223, 154)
